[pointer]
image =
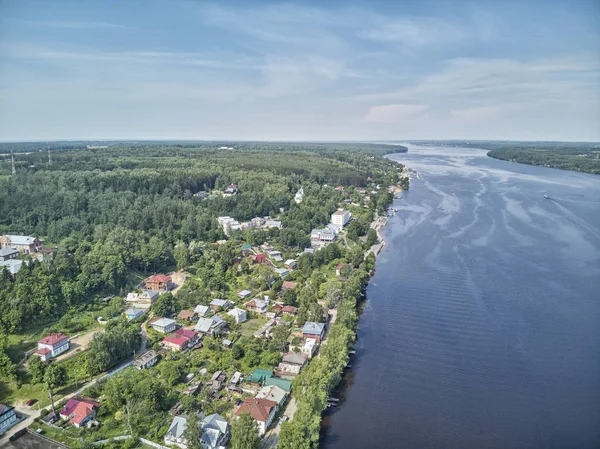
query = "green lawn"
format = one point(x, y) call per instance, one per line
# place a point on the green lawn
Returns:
point(248, 328)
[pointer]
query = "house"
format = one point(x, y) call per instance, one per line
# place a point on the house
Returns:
point(201, 194)
point(8, 418)
point(235, 379)
point(309, 250)
point(288, 285)
point(287, 370)
point(275, 256)
point(281, 383)
point(132, 313)
point(338, 269)
point(340, 188)
point(290, 310)
point(217, 380)
point(13, 265)
point(210, 326)
point(187, 315)
point(273, 393)
point(265, 329)
point(231, 190)
point(239, 315)
point(159, 282)
point(299, 195)
point(174, 436)
point(143, 300)
point(8, 254)
point(244, 294)
point(182, 339)
point(294, 358)
point(259, 376)
point(163, 325)
point(257, 305)
point(215, 431)
point(79, 410)
point(282, 272)
point(217, 304)
point(23, 243)
point(146, 360)
point(291, 264)
point(313, 330)
point(309, 347)
point(258, 258)
point(52, 345)
point(201, 310)
point(321, 236)
point(261, 410)
point(272, 224)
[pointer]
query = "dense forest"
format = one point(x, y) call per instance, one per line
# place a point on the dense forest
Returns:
point(117, 214)
point(577, 156)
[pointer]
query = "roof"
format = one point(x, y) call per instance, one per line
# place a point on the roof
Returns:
point(246, 246)
point(294, 358)
point(134, 311)
point(219, 302)
point(313, 328)
point(281, 383)
point(159, 278)
point(186, 314)
point(5, 409)
point(13, 265)
point(259, 375)
point(177, 427)
point(163, 322)
point(236, 377)
point(8, 251)
point(53, 339)
point(244, 293)
point(259, 409)
point(205, 324)
point(290, 309)
point(145, 358)
point(288, 285)
point(272, 393)
point(340, 212)
point(258, 303)
point(43, 351)
point(150, 294)
point(180, 337)
point(201, 310)
point(236, 312)
point(213, 428)
point(73, 403)
point(82, 411)
point(21, 239)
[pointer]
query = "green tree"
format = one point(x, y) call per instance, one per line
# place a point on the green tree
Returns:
point(36, 368)
point(165, 305)
point(244, 433)
point(54, 378)
point(193, 432)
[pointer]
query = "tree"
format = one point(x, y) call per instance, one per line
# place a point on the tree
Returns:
point(289, 297)
point(193, 432)
point(279, 338)
point(37, 368)
point(371, 238)
point(165, 305)
point(244, 433)
point(54, 378)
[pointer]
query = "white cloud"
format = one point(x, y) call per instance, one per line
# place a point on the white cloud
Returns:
point(416, 32)
point(479, 114)
point(394, 113)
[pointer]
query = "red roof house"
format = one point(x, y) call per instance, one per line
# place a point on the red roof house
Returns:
point(79, 410)
point(181, 339)
point(259, 258)
point(52, 345)
point(288, 285)
point(261, 410)
point(159, 283)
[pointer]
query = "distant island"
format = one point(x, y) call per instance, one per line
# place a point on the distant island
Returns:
point(577, 156)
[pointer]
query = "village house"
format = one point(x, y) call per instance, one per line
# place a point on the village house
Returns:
point(146, 360)
point(313, 330)
point(261, 410)
point(159, 282)
point(273, 393)
point(291, 264)
point(244, 294)
point(210, 326)
point(275, 256)
point(181, 339)
point(281, 272)
point(163, 325)
point(321, 237)
point(239, 315)
point(13, 265)
point(309, 347)
point(217, 304)
point(294, 358)
point(23, 243)
point(132, 313)
point(288, 285)
point(299, 195)
point(235, 379)
point(52, 345)
point(142, 300)
point(8, 418)
point(231, 190)
point(272, 224)
point(257, 305)
point(287, 370)
point(258, 258)
point(175, 434)
point(79, 411)
point(8, 254)
point(215, 431)
point(259, 376)
point(201, 310)
point(217, 380)
point(289, 310)
point(187, 315)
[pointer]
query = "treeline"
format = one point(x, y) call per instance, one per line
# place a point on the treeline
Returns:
point(586, 159)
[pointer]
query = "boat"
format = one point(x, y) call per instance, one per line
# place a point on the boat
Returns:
point(546, 196)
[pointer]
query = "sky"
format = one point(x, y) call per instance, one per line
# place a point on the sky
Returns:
point(304, 70)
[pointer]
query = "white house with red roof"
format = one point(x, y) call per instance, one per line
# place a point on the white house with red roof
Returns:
point(262, 410)
point(79, 411)
point(52, 345)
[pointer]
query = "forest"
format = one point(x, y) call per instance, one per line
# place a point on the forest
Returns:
point(114, 215)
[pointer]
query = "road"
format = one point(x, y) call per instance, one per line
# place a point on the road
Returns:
point(271, 438)
point(31, 414)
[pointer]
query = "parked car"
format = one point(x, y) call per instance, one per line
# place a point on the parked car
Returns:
point(31, 402)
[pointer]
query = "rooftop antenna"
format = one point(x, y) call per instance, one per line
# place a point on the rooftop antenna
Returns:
point(12, 157)
point(49, 154)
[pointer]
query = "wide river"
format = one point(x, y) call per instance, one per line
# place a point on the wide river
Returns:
point(482, 324)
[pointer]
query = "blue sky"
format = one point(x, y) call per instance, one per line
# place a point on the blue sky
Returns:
point(328, 70)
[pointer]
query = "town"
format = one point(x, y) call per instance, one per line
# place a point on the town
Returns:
point(228, 346)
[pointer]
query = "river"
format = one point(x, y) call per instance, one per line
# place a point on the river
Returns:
point(482, 323)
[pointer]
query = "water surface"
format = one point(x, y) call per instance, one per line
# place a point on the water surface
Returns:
point(482, 325)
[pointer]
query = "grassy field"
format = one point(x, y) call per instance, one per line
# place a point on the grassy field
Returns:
point(248, 328)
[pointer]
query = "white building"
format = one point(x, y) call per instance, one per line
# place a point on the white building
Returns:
point(299, 195)
point(239, 315)
point(340, 217)
point(309, 347)
point(164, 325)
point(52, 345)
